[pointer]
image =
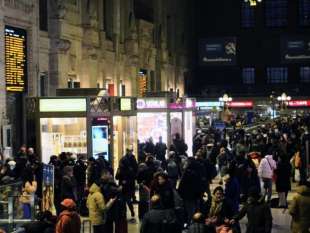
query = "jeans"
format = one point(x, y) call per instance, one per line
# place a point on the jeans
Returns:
point(26, 211)
point(268, 188)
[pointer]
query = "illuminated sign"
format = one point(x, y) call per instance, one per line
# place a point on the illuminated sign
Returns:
point(209, 104)
point(142, 85)
point(240, 104)
point(62, 105)
point(299, 103)
point(152, 103)
point(15, 59)
point(190, 103)
point(125, 104)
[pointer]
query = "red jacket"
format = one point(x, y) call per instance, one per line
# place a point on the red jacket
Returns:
point(68, 222)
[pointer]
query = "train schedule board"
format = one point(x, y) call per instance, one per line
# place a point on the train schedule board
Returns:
point(15, 59)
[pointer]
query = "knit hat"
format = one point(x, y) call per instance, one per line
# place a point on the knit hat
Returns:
point(69, 204)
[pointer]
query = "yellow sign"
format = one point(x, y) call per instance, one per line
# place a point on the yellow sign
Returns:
point(142, 85)
point(15, 59)
point(125, 104)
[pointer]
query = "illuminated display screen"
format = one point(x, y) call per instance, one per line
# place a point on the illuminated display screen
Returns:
point(15, 59)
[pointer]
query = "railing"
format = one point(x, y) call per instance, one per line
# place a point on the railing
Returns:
point(11, 211)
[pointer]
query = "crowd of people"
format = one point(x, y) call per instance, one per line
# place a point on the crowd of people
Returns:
point(231, 175)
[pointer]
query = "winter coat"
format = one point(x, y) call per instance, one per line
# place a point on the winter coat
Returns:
point(127, 172)
point(68, 188)
point(259, 216)
point(118, 210)
point(68, 222)
point(232, 193)
point(28, 191)
point(197, 228)
point(283, 181)
point(221, 210)
point(160, 151)
point(159, 220)
point(166, 194)
point(79, 171)
point(266, 167)
point(191, 186)
point(96, 205)
point(300, 210)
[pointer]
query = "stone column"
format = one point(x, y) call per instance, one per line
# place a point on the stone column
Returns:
point(2, 72)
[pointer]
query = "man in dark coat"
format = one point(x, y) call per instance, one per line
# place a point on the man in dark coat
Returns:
point(159, 220)
point(126, 174)
point(160, 151)
point(258, 213)
point(68, 185)
point(191, 187)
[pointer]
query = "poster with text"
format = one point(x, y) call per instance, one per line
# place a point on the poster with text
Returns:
point(217, 51)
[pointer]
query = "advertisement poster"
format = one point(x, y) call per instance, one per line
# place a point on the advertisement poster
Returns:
point(217, 51)
point(100, 139)
point(48, 189)
point(152, 125)
point(295, 49)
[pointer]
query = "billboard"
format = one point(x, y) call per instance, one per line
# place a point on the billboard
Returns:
point(295, 49)
point(217, 51)
point(15, 59)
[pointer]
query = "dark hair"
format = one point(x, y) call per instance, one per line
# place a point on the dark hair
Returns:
point(27, 175)
point(218, 188)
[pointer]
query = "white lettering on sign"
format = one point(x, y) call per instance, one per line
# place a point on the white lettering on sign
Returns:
point(151, 103)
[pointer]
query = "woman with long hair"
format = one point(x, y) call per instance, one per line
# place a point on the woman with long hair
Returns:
point(28, 192)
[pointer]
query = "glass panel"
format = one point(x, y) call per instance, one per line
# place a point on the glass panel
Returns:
point(152, 125)
point(62, 135)
point(125, 136)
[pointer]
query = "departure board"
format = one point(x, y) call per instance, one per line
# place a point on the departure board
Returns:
point(15, 59)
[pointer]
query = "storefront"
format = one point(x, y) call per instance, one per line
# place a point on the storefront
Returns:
point(89, 126)
point(157, 117)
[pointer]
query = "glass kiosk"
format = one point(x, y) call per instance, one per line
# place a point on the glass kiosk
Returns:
point(91, 126)
point(157, 117)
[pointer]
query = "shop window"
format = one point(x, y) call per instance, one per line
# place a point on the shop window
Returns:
point(305, 74)
point(43, 15)
point(248, 75)
point(277, 75)
point(247, 15)
point(276, 13)
point(62, 135)
point(304, 12)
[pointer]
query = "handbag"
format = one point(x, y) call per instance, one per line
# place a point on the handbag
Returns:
point(274, 175)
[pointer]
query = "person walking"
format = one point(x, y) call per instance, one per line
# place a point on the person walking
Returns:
point(69, 220)
point(258, 213)
point(283, 180)
point(127, 174)
point(266, 171)
point(97, 208)
point(299, 209)
point(160, 152)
